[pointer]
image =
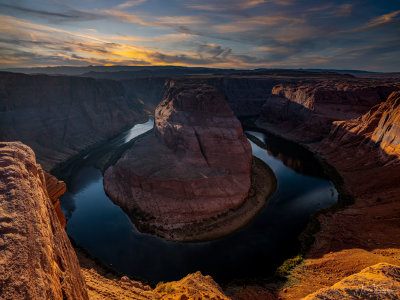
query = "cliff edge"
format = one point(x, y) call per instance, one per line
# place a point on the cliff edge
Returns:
point(37, 260)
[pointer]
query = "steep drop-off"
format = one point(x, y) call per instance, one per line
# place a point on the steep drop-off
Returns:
point(196, 167)
point(37, 260)
point(305, 109)
point(365, 152)
point(59, 116)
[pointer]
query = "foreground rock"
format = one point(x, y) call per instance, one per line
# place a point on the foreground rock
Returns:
point(37, 260)
point(59, 116)
point(194, 169)
point(380, 281)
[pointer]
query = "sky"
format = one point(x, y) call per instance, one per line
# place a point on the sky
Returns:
point(246, 34)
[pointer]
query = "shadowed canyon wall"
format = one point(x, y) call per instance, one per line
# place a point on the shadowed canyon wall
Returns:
point(59, 116)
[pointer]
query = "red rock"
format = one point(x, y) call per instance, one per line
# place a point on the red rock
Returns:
point(196, 166)
point(37, 260)
point(55, 188)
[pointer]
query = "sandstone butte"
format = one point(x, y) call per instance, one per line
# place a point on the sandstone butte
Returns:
point(37, 259)
point(195, 167)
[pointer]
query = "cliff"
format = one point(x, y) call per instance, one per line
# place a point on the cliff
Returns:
point(364, 151)
point(195, 167)
point(305, 109)
point(37, 260)
point(55, 188)
point(59, 116)
point(379, 128)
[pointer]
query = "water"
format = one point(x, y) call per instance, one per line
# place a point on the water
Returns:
point(254, 251)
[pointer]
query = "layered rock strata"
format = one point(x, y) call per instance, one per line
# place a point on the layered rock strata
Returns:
point(37, 260)
point(56, 188)
point(306, 109)
point(59, 116)
point(195, 167)
point(365, 152)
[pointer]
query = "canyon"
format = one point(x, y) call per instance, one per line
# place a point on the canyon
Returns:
point(59, 116)
point(351, 124)
point(37, 259)
point(195, 168)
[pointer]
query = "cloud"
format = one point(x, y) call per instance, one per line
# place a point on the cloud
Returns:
point(389, 18)
point(131, 3)
point(192, 20)
point(213, 50)
point(57, 17)
point(232, 5)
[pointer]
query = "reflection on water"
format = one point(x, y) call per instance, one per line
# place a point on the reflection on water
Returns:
point(254, 251)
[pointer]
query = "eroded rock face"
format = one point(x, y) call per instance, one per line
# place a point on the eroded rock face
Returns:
point(308, 108)
point(377, 129)
point(59, 116)
point(380, 281)
point(37, 260)
point(196, 166)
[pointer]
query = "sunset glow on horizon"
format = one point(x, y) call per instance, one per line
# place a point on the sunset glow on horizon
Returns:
point(225, 34)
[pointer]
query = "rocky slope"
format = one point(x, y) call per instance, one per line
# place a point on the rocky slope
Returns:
point(380, 281)
point(365, 152)
point(195, 167)
point(59, 116)
point(37, 260)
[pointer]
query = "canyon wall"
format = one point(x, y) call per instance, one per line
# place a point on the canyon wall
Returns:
point(377, 129)
point(196, 166)
point(307, 108)
point(37, 260)
point(59, 116)
point(365, 152)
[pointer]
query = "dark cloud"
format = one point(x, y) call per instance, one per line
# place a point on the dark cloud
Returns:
point(57, 17)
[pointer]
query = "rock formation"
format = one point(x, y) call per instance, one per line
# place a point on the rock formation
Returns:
point(307, 108)
point(365, 152)
point(59, 116)
point(380, 281)
point(56, 188)
point(196, 166)
point(379, 128)
point(37, 260)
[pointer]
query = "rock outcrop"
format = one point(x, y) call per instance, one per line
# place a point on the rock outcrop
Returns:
point(56, 188)
point(59, 116)
point(196, 166)
point(37, 260)
point(377, 129)
point(380, 281)
point(364, 151)
point(306, 109)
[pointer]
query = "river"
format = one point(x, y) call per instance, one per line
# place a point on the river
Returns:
point(255, 251)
